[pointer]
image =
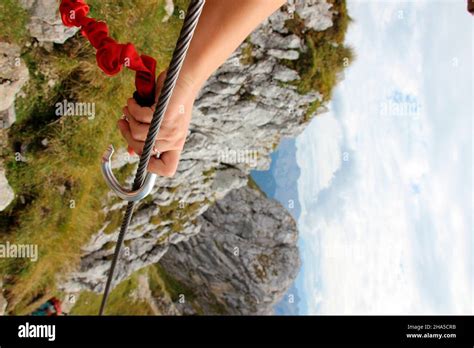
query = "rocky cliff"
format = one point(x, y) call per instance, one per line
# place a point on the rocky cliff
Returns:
point(239, 117)
point(242, 261)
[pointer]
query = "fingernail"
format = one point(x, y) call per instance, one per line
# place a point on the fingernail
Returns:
point(130, 151)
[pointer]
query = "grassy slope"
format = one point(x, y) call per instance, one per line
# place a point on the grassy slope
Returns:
point(60, 224)
point(122, 300)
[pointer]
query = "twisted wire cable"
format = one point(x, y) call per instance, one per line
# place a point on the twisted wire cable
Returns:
point(190, 22)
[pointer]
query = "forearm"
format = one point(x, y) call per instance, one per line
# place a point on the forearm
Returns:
point(223, 26)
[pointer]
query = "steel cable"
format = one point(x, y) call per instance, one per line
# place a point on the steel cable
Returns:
point(190, 22)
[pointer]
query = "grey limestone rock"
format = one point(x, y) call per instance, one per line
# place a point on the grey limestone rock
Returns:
point(13, 74)
point(6, 192)
point(45, 23)
point(244, 259)
point(316, 14)
point(3, 301)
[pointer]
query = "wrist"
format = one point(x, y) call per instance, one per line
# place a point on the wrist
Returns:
point(189, 83)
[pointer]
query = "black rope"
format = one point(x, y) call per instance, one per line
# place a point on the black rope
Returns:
point(190, 22)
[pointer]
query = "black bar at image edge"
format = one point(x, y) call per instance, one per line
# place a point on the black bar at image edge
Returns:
point(136, 331)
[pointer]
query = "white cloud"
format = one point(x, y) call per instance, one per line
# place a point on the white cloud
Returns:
point(326, 145)
point(390, 230)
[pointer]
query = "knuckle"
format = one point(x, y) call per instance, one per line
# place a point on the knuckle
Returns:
point(136, 135)
point(162, 134)
point(171, 129)
point(145, 115)
point(139, 117)
point(167, 171)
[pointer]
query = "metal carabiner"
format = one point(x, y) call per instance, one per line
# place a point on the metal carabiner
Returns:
point(114, 185)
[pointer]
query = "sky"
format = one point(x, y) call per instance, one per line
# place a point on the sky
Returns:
point(385, 184)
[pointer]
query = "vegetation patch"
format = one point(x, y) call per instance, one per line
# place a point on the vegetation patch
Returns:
point(122, 301)
point(247, 57)
point(173, 286)
point(13, 31)
point(322, 64)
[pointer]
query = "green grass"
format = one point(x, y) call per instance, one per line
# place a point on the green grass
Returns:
point(176, 216)
point(122, 299)
point(13, 18)
point(247, 57)
point(120, 302)
point(174, 287)
point(40, 214)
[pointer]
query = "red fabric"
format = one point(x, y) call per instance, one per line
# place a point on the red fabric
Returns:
point(57, 305)
point(111, 56)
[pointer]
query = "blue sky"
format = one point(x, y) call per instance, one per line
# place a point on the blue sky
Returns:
point(385, 183)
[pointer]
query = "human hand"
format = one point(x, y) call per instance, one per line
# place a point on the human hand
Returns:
point(174, 127)
point(208, 50)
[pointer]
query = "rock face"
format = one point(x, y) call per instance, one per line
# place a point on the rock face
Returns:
point(45, 23)
point(243, 111)
point(243, 260)
point(6, 192)
point(3, 301)
point(7, 117)
point(13, 74)
point(169, 8)
point(316, 14)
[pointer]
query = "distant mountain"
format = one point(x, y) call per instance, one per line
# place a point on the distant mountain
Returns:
point(290, 303)
point(280, 183)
